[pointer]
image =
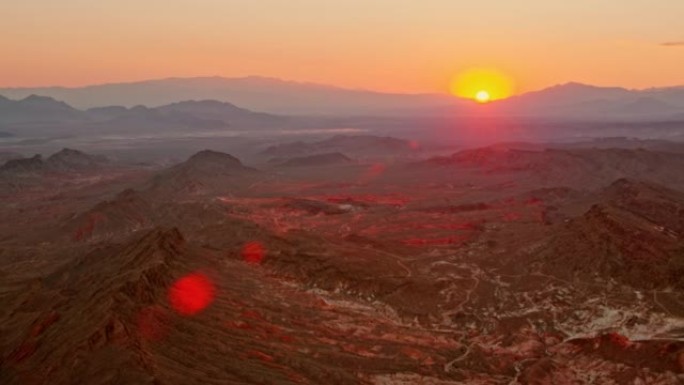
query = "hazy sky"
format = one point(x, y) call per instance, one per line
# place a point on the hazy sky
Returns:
point(393, 45)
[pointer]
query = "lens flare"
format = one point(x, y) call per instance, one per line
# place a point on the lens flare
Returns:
point(191, 294)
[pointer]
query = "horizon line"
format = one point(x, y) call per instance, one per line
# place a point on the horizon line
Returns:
point(312, 84)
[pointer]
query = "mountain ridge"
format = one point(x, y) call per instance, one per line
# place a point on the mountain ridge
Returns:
point(285, 97)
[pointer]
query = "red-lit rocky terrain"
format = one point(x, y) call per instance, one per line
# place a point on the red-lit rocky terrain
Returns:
point(489, 266)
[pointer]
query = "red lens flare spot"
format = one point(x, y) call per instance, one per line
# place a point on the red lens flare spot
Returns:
point(191, 294)
point(253, 253)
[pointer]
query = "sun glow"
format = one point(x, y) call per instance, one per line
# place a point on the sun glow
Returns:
point(482, 85)
point(483, 96)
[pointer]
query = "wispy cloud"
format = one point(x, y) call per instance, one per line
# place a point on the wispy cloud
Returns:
point(673, 43)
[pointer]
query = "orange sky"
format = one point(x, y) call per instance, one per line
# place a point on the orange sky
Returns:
point(390, 45)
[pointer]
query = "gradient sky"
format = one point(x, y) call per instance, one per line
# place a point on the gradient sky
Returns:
point(390, 45)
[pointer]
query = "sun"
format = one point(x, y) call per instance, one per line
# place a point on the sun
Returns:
point(482, 85)
point(482, 96)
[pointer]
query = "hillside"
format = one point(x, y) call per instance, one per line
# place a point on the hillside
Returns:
point(634, 235)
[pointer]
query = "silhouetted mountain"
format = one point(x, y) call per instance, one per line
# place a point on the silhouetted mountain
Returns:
point(222, 112)
point(206, 172)
point(209, 162)
point(106, 113)
point(584, 102)
point(648, 106)
point(256, 93)
point(142, 118)
point(66, 160)
point(46, 117)
point(571, 93)
point(332, 158)
point(31, 165)
point(73, 160)
point(570, 100)
point(36, 109)
point(192, 115)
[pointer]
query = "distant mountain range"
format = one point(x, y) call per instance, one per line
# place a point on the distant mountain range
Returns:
point(207, 103)
point(275, 96)
point(329, 159)
point(38, 112)
point(66, 160)
point(36, 109)
point(585, 101)
point(256, 93)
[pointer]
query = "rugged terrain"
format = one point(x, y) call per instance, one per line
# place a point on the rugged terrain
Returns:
point(495, 265)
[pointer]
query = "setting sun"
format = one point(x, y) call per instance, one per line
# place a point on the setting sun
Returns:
point(482, 96)
point(482, 85)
